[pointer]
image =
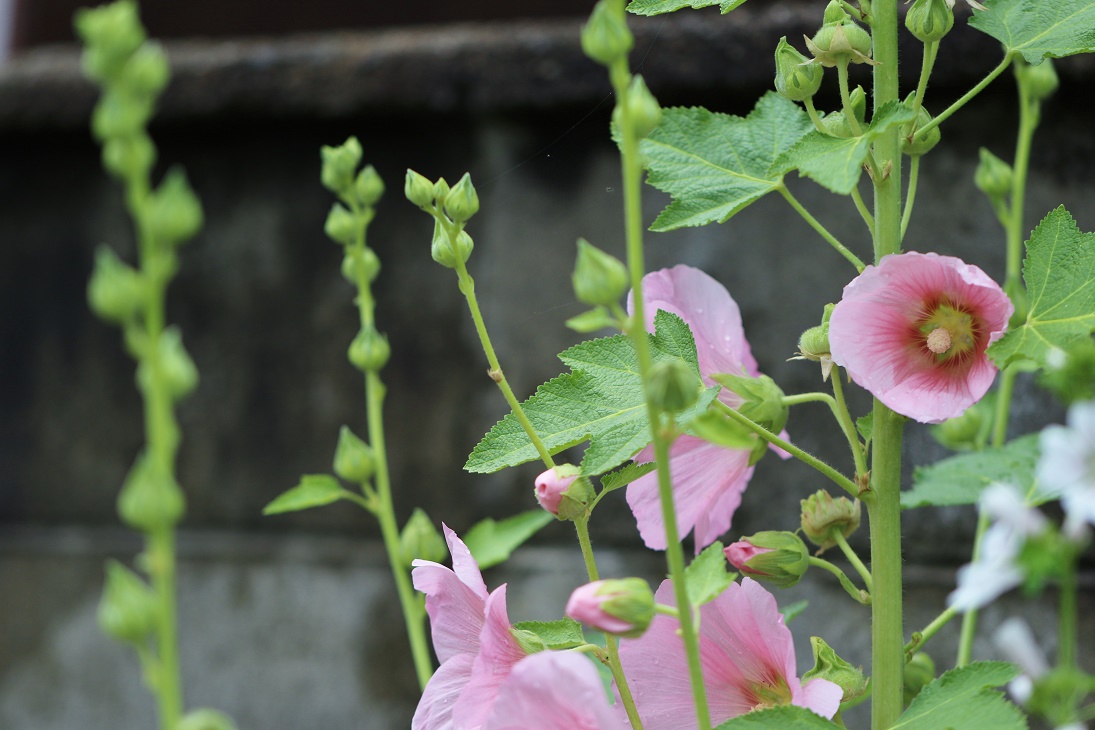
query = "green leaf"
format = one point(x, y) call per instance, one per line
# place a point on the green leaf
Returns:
point(784, 717)
point(600, 401)
point(657, 7)
point(1040, 29)
point(706, 577)
point(492, 542)
point(591, 321)
point(623, 477)
point(793, 610)
point(721, 430)
point(865, 426)
point(1059, 271)
point(716, 164)
point(564, 633)
point(314, 490)
point(964, 698)
point(836, 162)
point(961, 479)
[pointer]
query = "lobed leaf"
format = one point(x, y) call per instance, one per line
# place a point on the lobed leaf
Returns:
point(626, 475)
point(1059, 272)
point(961, 479)
point(657, 7)
point(492, 542)
point(713, 165)
point(1039, 29)
point(965, 698)
point(706, 576)
point(784, 717)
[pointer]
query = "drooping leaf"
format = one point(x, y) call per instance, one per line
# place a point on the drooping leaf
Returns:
point(784, 717)
point(564, 633)
point(626, 475)
point(492, 542)
point(1040, 29)
point(837, 162)
point(961, 479)
point(793, 610)
point(965, 698)
point(314, 490)
point(706, 576)
point(657, 7)
point(601, 401)
point(713, 165)
point(1059, 272)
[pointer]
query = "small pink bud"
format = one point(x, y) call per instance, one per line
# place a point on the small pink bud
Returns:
point(740, 553)
point(779, 558)
point(552, 485)
point(624, 607)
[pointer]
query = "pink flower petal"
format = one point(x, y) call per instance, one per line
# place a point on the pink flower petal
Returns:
point(820, 696)
point(498, 652)
point(434, 710)
point(455, 601)
point(553, 690)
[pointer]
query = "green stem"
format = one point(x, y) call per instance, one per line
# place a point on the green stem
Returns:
point(931, 49)
point(806, 457)
point(910, 196)
point(840, 247)
point(1066, 629)
point(860, 568)
point(1028, 121)
point(857, 198)
point(969, 619)
point(632, 180)
point(967, 96)
point(840, 413)
point(161, 548)
point(848, 426)
point(928, 632)
point(815, 117)
point(846, 98)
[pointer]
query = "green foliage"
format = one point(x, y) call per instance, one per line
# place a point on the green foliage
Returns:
point(961, 479)
point(784, 717)
point(600, 401)
point(964, 698)
point(206, 719)
point(314, 490)
point(1039, 29)
point(793, 610)
point(565, 633)
point(657, 7)
point(492, 542)
point(706, 576)
point(1059, 271)
point(835, 162)
point(624, 476)
point(713, 165)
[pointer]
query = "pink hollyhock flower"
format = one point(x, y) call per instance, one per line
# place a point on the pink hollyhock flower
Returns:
point(553, 690)
point(748, 660)
point(913, 330)
point(708, 480)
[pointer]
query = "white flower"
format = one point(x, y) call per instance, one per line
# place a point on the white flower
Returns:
point(1067, 467)
point(972, 3)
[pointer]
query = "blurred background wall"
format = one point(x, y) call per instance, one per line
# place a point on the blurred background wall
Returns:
point(292, 621)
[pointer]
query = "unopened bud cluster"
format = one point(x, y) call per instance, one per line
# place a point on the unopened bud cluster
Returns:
point(823, 517)
point(451, 208)
point(840, 40)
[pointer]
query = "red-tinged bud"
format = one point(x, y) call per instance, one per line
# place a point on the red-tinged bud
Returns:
point(563, 492)
point(779, 558)
point(622, 607)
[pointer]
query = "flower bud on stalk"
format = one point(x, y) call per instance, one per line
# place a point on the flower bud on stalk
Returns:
point(130, 156)
point(993, 177)
point(605, 36)
point(362, 262)
point(146, 72)
point(623, 607)
point(822, 516)
point(840, 40)
point(598, 278)
point(563, 492)
point(127, 610)
point(643, 110)
point(418, 189)
point(112, 34)
point(796, 78)
point(118, 115)
point(828, 665)
point(913, 143)
point(174, 211)
point(837, 124)
point(779, 558)
point(462, 202)
point(369, 351)
point(354, 460)
point(368, 187)
point(1041, 80)
point(929, 20)
point(339, 164)
point(341, 226)
point(962, 433)
point(150, 499)
point(420, 540)
point(673, 386)
point(442, 251)
point(116, 291)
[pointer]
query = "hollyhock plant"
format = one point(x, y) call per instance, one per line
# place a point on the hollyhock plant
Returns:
point(708, 480)
point(748, 660)
point(1067, 466)
point(913, 331)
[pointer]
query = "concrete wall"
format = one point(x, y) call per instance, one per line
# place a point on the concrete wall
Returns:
point(291, 621)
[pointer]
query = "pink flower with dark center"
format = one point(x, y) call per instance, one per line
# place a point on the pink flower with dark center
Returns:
point(748, 659)
point(708, 480)
point(913, 331)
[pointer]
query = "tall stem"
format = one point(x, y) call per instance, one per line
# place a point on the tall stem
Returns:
point(883, 501)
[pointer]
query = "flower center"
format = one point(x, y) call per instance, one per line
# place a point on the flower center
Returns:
point(771, 691)
point(939, 341)
point(949, 332)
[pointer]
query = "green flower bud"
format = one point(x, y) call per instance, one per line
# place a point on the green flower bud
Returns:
point(919, 673)
point(341, 225)
point(362, 263)
point(440, 190)
point(605, 36)
point(529, 641)
point(814, 343)
point(828, 665)
point(642, 108)
point(822, 516)
point(127, 610)
point(146, 72)
point(418, 189)
point(836, 125)
point(779, 558)
point(993, 177)
point(120, 115)
point(462, 202)
point(205, 719)
point(673, 386)
point(130, 156)
point(354, 460)
point(174, 211)
point(835, 13)
point(112, 33)
point(839, 43)
point(116, 291)
point(420, 540)
point(178, 374)
point(369, 351)
point(598, 277)
point(929, 20)
point(1040, 80)
point(965, 432)
point(442, 251)
point(762, 403)
point(796, 78)
point(150, 499)
point(622, 607)
point(914, 143)
point(368, 187)
point(339, 165)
